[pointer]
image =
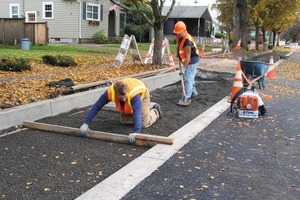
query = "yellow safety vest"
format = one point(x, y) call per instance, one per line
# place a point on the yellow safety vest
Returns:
point(135, 87)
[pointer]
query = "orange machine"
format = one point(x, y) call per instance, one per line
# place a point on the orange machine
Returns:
point(248, 105)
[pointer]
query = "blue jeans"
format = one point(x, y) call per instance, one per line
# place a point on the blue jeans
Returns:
point(189, 80)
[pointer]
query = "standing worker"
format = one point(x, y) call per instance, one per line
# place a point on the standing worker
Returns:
point(132, 99)
point(189, 55)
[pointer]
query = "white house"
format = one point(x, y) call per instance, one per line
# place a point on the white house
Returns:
point(68, 21)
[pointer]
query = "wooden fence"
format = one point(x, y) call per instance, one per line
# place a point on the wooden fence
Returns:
point(12, 30)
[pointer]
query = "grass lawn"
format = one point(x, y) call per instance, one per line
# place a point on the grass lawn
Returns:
point(67, 49)
point(95, 63)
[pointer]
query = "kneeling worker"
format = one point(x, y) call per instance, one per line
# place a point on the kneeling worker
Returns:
point(132, 99)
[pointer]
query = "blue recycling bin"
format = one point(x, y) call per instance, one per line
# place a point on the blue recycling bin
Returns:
point(25, 44)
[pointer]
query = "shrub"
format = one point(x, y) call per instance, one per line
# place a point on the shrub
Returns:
point(66, 61)
point(50, 60)
point(14, 64)
point(135, 30)
point(219, 35)
point(100, 37)
point(62, 61)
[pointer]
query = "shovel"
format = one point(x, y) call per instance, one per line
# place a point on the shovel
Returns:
point(182, 78)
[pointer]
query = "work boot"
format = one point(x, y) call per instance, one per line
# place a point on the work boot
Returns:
point(184, 102)
point(157, 107)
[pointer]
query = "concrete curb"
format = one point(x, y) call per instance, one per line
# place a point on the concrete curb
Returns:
point(38, 110)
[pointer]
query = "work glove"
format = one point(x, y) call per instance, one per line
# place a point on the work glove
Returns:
point(131, 138)
point(84, 129)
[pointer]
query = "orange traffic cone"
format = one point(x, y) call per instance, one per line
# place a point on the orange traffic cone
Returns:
point(171, 61)
point(271, 72)
point(238, 46)
point(202, 52)
point(238, 82)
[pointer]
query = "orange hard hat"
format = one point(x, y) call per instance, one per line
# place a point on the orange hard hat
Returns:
point(179, 27)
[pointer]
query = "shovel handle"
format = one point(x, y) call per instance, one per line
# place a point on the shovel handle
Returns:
point(182, 78)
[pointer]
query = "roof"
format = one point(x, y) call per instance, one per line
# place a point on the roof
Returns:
point(185, 11)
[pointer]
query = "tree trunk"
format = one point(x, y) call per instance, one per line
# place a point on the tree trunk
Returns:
point(236, 23)
point(264, 34)
point(256, 36)
point(240, 22)
point(274, 38)
point(229, 37)
point(244, 16)
point(158, 38)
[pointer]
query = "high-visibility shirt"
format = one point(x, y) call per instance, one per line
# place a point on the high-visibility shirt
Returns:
point(181, 53)
point(135, 87)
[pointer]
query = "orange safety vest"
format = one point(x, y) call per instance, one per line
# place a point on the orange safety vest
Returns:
point(181, 47)
point(135, 87)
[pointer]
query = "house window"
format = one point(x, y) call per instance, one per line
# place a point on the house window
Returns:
point(92, 12)
point(48, 10)
point(207, 26)
point(14, 10)
point(31, 16)
point(122, 21)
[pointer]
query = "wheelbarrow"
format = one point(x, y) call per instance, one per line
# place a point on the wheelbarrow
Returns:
point(254, 69)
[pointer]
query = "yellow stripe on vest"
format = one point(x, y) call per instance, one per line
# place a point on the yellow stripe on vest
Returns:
point(134, 91)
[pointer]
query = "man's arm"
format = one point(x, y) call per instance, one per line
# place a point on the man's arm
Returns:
point(102, 101)
point(136, 103)
point(187, 51)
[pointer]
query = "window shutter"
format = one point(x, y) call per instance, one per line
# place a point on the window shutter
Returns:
point(101, 12)
point(84, 10)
